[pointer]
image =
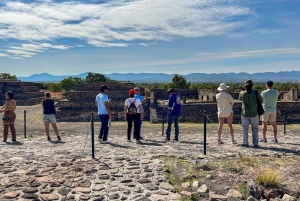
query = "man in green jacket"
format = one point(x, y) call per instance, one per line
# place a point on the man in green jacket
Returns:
point(249, 113)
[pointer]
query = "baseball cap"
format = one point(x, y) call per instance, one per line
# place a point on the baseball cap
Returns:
point(270, 83)
point(131, 91)
point(171, 90)
point(248, 82)
point(103, 87)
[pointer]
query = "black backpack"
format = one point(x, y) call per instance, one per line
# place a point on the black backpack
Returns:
point(132, 109)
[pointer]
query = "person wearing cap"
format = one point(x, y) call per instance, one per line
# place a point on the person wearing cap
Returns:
point(270, 97)
point(224, 103)
point(174, 105)
point(102, 103)
point(249, 113)
point(143, 100)
point(133, 111)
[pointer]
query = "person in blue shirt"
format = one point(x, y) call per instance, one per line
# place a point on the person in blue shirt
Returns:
point(143, 100)
point(102, 103)
point(174, 105)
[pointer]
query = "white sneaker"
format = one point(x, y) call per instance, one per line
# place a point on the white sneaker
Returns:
point(105, 142)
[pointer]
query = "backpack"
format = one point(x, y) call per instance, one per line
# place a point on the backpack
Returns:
point(132, 109)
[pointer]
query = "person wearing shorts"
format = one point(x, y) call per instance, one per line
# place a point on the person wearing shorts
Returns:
point(225, 103)
point(270, 97)
point(49, 115)
point(9, 116)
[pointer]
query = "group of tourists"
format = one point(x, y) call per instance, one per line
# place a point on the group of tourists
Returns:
point(9, 116)
point(254, 105)
point(252, 102)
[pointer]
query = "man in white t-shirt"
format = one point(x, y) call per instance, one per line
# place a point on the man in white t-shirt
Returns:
point(133, 110)
point(102, 104)
point(225, 103)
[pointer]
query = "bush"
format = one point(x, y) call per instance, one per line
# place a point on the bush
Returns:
point(267, 177)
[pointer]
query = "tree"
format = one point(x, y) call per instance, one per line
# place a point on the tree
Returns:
point(70, 83)
point(96, 77)
point(7, 76)
point(179, 82)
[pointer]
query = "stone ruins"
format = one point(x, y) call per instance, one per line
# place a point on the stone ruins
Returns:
point(25, 93)
point(78, 104)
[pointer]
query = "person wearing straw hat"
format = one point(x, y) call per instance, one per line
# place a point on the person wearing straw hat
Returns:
point(225, 103)
point(249, 113)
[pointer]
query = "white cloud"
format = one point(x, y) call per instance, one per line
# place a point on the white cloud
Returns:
point(3, 55)
point(118, 23)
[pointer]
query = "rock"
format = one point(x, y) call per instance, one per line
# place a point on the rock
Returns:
point(271, 194)
point(84, 197)
point(30, 196)
point(35, 184)
point(195, 184)
point(113, 196)
point(206, 168)
point(143, 181)
point(234, 194)
point(161, 192)
point(215, 197)
point(46, 190)
point(126, 181)
point(167, 186)
point(186, 193)
point(30, 190)
point(185, 185)
point(47, 197)
point(63, 191)
point(254, 190)
point(202, 189)
point(151, 187)
point(287, 197)
point(53, 164)
point(251, 198)
point(143, 199)
point(175, 196)
point(11, 195)
point(208, 176)
point(46, 179)
point(83, 190)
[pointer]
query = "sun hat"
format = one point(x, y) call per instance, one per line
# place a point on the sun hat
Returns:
point(131, 91)
point(248, 82)
point(222, 87)
point(136, 88)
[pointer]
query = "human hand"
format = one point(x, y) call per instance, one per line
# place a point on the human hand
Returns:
point(142, 116)
point(110, 116)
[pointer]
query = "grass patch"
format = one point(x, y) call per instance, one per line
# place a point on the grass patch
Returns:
point(267, 177)
point(246, 160)
point(193, 197)
point(231, 167)
point(243, 190)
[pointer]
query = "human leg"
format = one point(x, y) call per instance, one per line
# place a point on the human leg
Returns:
point(104, 125)
point(12, 128)
point(176, 126)
point(101, 129)
point(245, 124)
point(254, 126)
point(229, 122)
point(274, 129)
point(221, 122)
point(136, 118)
point(129, 126)
point(5, 130)
point(170, 122)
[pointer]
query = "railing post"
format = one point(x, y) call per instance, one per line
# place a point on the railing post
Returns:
point(92, 135)
point(163, 123)
point(285, 121)
point(204, 132)
point(25, 124)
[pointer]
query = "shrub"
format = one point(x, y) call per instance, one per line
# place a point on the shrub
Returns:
point(267, 177)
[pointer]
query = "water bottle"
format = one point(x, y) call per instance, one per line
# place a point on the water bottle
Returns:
point(109, 123)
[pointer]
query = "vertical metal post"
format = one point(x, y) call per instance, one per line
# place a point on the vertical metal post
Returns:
point(285, 120)
point(92, 135)
point(204, 132)
point(25, 124)
point(163, 123)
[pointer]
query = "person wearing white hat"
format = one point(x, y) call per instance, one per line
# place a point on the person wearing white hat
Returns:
point(225, 103)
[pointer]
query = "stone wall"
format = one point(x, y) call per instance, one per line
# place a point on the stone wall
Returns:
point(113, 86)
point(292, 95)
point(25, 93)
point(161, 94)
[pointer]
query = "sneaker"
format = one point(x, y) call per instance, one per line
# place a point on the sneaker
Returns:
point(58, 137)
point(176, 139)
point(14, 140)
point(234, 142)
point(105, 142)
point(141, 138)
point(138, 141)
point(168, 139)
point(49, 138)
point(128, 140)
point(256, 146)
point(99, 139)
point(274, 141)
point(263, 140)
point(245, 145)
point(220, 142)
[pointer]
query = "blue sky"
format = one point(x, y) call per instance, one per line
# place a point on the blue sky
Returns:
point(158, 36)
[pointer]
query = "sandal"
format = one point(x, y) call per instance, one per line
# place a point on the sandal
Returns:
point(220, 142)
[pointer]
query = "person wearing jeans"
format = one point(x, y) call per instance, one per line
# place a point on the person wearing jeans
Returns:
point(133, 111)
point(102, 104)
point(249, 113)
point(174, 105)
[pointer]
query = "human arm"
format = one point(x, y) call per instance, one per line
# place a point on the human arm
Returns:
point(125, 112)
point(141, 111)
point(107, 109)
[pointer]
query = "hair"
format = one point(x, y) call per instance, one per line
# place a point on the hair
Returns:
point(10, 94)
point(47, 94)
point(270, 84)
point(131, 95)
point(248, 88)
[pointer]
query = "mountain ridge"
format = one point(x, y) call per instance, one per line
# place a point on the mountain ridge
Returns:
point(282, 76)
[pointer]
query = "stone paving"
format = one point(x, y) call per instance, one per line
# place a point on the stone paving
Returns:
point(35, 169)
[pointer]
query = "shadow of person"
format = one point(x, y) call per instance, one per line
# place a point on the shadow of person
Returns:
point(57, 142)
point(120, 146)
point(17, 143)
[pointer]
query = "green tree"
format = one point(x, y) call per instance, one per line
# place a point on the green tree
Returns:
point(7, 76)
point(179, 82)
point(54, 87)
point(96, 77)
point(70, 83)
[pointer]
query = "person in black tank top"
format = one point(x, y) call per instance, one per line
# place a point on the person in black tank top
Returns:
point(49, 115)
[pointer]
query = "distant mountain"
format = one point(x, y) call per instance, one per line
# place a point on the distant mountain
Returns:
point(283, 76)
